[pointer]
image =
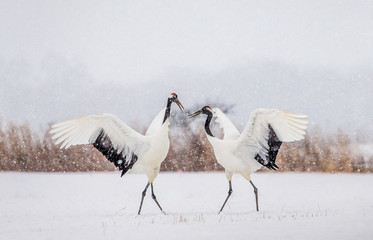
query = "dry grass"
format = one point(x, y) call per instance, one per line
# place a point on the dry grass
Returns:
point(23, 150)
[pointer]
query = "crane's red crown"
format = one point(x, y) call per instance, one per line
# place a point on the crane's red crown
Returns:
point(207, 107)
point(174, 94)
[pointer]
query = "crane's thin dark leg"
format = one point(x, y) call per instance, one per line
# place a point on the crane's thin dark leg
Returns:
point(229, 194)
point(143, 195)
point(256, 196)
point(155, 199)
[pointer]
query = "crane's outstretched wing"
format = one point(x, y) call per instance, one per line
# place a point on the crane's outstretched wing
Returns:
point(156, 123)
point(265, 132)
point(230, 131)
point(119, 143)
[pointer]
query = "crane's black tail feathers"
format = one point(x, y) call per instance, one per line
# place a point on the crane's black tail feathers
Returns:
point(124, 160)
point(274, 145)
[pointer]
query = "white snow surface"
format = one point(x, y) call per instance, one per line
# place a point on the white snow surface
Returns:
point(104, 206)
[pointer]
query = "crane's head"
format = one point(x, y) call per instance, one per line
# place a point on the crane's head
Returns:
point(205, 110)
point(173, 98)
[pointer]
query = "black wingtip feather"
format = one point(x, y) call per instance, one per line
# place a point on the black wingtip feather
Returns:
point(104, 145)
point(123, 172)
point(274, 145)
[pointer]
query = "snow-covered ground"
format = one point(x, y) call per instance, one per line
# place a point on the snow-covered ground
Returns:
point(104, 206)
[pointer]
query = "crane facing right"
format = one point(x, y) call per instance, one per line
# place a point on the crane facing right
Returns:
point(257, 145)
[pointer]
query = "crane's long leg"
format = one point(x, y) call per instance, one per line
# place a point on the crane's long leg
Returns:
point(143, 195)
point(256, 195)
point(155, 199)
point(229, 194)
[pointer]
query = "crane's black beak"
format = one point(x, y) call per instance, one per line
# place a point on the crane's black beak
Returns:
point(195, 114)
point(179, 104)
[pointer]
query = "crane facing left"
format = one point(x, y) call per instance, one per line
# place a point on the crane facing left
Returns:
point(120, 144)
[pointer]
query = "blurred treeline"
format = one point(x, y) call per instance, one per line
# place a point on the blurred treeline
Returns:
point(24, 150)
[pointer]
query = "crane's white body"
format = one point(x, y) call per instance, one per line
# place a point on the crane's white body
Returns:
point(149, 161)
point(224, 151)
point(151, 148)
point(236, 152)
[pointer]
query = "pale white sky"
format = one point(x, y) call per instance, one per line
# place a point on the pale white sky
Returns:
point(61, 58)
point(139, 40)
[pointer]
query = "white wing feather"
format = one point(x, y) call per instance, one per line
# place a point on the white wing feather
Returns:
point(287, 126)
point(85, 130)
point(156, 123)
point(230, 131)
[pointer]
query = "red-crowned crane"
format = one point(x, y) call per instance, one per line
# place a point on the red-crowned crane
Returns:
point(257, 145)
point(120, 144)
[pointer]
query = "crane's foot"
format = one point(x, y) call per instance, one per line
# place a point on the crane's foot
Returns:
point(256, 196)
point(229, 194)
point(156, 201)
point(142, 198)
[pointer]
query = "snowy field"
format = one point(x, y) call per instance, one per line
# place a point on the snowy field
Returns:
point(104, 206)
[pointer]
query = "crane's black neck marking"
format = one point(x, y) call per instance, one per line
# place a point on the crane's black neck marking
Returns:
point(168, 110)
point(207, 124)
